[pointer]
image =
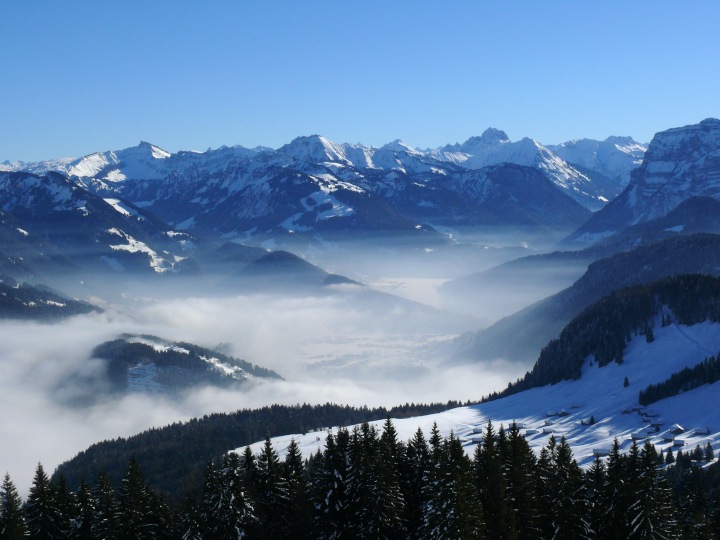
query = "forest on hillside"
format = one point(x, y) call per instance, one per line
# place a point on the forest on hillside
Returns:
point(368, 484)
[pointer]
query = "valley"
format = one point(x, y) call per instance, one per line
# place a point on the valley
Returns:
point(177, 286)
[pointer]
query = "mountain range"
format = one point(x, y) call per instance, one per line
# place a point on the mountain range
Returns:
point(633, 215)
point(314, 187)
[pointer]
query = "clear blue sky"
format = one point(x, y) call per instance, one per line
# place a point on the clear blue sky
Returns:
point(82, 76)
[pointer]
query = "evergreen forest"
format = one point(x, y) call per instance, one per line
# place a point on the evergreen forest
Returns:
point(365, 483)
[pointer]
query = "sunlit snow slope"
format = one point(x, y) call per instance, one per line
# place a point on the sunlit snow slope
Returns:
point(599, 393)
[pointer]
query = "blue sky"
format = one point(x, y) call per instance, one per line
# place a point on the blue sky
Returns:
point(82, 76)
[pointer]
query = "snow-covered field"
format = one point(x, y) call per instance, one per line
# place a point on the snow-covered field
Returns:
point(599, 393)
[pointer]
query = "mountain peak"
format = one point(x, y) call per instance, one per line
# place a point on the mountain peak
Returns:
point(155, 151)
point(399, 146)
point(490, 137)
point(710, 122)
point(313, 149)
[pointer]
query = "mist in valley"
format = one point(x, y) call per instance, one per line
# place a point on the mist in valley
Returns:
point(385, 343)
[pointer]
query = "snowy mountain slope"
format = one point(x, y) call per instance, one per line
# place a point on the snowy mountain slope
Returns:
point(679, 163)
point(148, 364)
point(565, 408)
point(493, 147)
point(87, 230)
point(538, 276)
point(313, 187)
point(615, 157)
point(23, 301)
point(519, 337)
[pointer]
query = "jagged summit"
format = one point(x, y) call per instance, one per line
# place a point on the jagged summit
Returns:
point(399, 146)
point(314, 149)
point(679, 163)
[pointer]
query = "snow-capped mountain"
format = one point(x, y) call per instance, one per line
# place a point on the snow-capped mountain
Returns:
point(679, 163)
point(615, 157)
point(85, 230)
point(314, 187)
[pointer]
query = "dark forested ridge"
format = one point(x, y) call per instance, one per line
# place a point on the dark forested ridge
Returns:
point(179, 365)
point(522, 336)
point(173, 457)
point(706, 372)
point(603, 329)
point(366, 484)
point(23, 301)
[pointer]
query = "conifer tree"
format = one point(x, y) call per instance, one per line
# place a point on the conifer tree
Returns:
point(696, 514)
point(106, 509)
point(453, 509)
point(387, 508)
point(189, 526)
point(225, 510)
point(709, 454)
point(271, 504)
point(563, 493)
point(491, 485)
point(41, 511)
point(12, 521)
point(520, 469)
point(331, 487)
point(299, 516)
point(136, 516)
point(433, 482)
point(66, 506)
point(651, 512)
point(615, 495)
point(595, 481)
point(413, 472)
point(82, 522)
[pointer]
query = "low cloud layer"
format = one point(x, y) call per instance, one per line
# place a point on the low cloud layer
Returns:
point(327, 348)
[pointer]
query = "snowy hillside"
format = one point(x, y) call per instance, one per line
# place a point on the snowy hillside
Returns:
point(565, 408)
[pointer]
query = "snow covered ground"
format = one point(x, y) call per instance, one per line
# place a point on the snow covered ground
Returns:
point(599, 393)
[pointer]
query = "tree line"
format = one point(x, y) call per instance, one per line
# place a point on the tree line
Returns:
point(603, 330)
point(366, 483)
point(173, 457)
point(706, 372)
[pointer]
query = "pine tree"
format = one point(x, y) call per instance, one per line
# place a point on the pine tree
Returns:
point(106, 510)
point(225, 510)
point(595, 481)
point(272, 504)
point(66, 506)
point(453, 509)
point(695, 509)
point(651, 512)
point(136, 516)
point(388, 503)
point(12, 521)
point(564, 493)
point(520, 467)
point(189, 521)
point(414, 469)
point(709, 454)
point(83, 518)
point(615, 495)
point(41, 512)
point(299, 505)
point(491, 486)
